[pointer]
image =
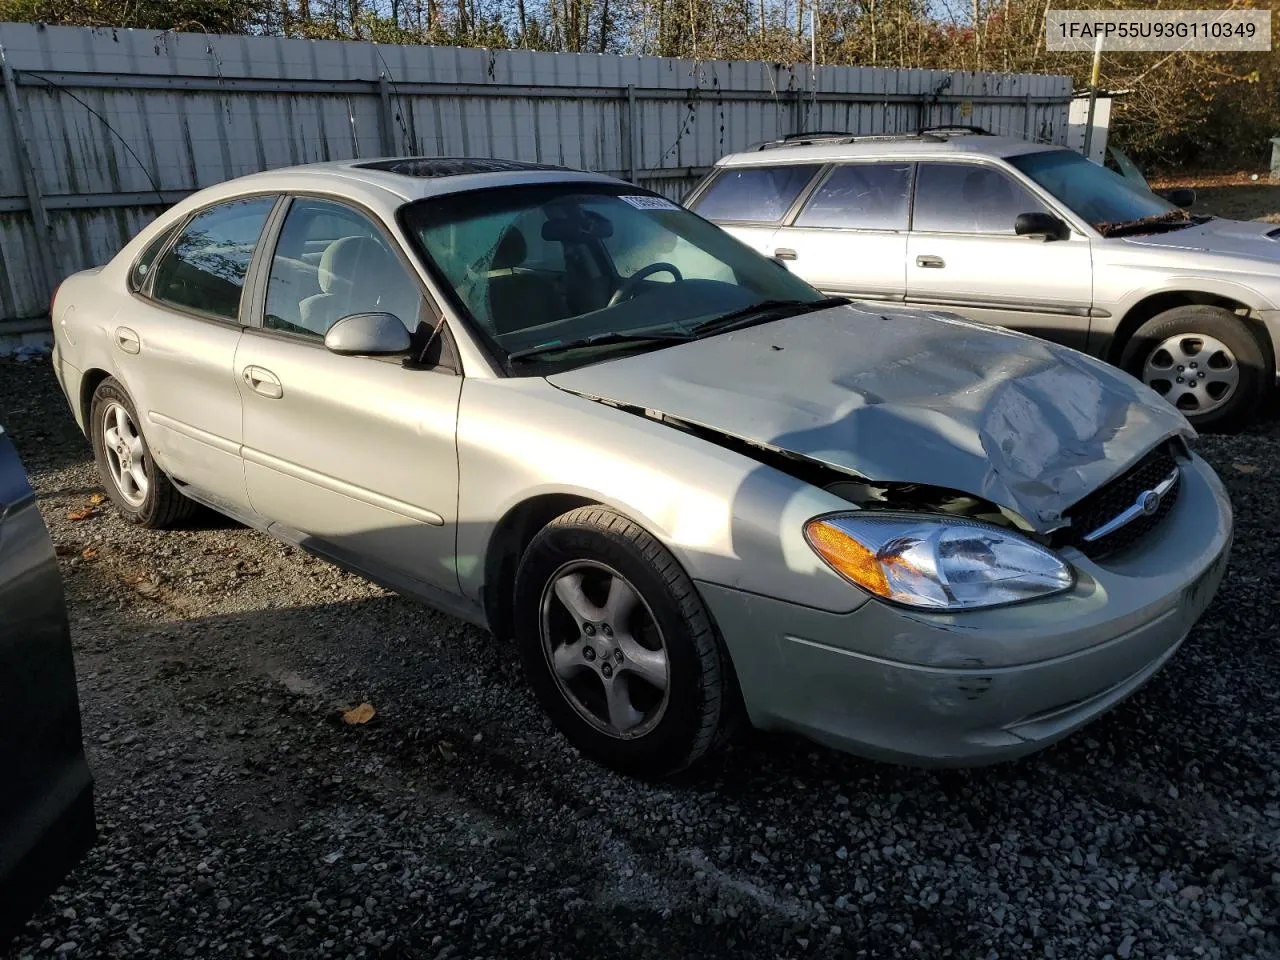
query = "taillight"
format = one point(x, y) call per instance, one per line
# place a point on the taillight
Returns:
point(53, 299)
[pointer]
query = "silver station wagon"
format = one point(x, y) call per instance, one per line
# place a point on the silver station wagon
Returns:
point(1021, 235)
point(690, 487)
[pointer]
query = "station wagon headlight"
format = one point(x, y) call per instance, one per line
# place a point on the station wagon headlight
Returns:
point(936, 563)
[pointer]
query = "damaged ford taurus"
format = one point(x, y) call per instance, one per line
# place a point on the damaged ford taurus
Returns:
point(691, 488)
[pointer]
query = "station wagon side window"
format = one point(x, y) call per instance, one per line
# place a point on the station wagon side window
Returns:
point(203, 272)
point(754, 194)
point(861, 196)
point(968, 198)
point(331, 262)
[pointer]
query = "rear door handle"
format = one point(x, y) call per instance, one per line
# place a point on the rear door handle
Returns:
point(784, 253)
point(127, 340)
point(264, 382)
point(933, 263)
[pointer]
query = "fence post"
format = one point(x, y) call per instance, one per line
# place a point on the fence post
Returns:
point(386, 131)
point(632, 149)
point(39, 216)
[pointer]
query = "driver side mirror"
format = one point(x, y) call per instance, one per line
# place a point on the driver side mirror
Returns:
point(368, 335)
point(1183, 197)
point(1041, 224)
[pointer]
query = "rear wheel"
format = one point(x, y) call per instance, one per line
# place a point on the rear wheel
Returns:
point(139, 489)
point(618, 646)
point(1204, 361)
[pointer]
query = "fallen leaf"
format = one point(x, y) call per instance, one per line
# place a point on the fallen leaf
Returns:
point(146, 587)
point(84, 514)
point(98, 499)
point(1245, 468)
point(358, 715)
point(88, 553)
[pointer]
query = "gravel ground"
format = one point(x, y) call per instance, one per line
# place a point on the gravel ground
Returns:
point(241, 818)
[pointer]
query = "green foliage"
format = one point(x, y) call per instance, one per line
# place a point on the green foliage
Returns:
point(1201, 109)
point(208, 16)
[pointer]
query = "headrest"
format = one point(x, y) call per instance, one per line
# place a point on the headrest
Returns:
point(511, 251)
point(344, 259)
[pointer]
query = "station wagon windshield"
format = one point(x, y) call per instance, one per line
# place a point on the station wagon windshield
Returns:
point(1104, 198)
point(574, 272)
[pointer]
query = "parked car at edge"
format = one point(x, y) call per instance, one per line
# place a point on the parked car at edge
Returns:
point(46, 807)
point(686, 483)
point(1021, 235)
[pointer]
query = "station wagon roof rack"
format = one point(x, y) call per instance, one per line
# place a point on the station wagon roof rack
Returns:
point(937, 133)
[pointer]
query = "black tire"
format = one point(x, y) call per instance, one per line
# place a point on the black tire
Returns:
point(1242, 403)
point(162, 505)
point(701, 702)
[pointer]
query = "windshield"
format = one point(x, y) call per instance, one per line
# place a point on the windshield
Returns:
point(1100, 196)
point(566, 262)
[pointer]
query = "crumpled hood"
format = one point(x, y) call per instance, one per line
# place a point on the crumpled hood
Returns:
point(1235, 238)
point(904, 396)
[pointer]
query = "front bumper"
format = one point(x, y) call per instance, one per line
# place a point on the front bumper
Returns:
point(981, 686)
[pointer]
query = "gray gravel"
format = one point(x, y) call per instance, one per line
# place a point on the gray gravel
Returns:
point(241, 818)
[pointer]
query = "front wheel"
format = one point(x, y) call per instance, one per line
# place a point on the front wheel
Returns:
point(1204, 361)
point(618, 646)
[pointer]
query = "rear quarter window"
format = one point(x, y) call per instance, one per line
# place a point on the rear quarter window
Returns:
point(759, 194)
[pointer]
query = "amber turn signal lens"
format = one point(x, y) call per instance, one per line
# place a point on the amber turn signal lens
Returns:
point(847, 556)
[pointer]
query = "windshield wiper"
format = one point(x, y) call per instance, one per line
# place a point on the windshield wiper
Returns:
point(558, 346)
point(1173, 220)
point(763, 312)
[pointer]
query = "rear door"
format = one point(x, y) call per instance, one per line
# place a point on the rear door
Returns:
point(963, 255)
point(356, 454)
point(174, 345)
point(850, 237)
point(46, 806)
point(751, 202)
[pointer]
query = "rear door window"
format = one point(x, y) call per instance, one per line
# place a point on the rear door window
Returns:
point(968, 198)
point(204, 271)
point(861, 196)
point(755, 194)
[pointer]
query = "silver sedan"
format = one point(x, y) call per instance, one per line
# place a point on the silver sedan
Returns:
point(692, 489)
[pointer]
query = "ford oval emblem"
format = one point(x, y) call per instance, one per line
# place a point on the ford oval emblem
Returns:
point(1150, 502)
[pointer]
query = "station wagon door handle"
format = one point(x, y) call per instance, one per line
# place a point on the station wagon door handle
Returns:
point(263, 382)
point(784, 253)
point(127, 340)
point(932, 263)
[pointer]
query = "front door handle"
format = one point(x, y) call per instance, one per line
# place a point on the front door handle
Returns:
point(127, 340)
point(929, 262)
point(784, 253)
point(264, 382)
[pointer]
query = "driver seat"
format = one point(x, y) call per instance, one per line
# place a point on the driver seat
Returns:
point(518, 300)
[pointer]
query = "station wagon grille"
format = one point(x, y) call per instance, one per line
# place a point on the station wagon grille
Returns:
point(1109, 502)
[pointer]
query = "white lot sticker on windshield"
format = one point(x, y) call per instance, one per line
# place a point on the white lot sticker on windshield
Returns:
point(650, 203)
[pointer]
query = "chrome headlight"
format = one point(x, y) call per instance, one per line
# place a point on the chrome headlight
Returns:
point(936, 563)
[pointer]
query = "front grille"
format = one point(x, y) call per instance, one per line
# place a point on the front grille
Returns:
point(1114, 498)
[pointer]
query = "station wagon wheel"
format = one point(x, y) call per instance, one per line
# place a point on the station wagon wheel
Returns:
point(136, 485)
point(618, 646)
point(1203, 360)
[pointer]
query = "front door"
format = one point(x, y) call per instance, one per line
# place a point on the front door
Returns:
point(963, 255)
point(850, 237)
point(357, 454)
point(175, 346)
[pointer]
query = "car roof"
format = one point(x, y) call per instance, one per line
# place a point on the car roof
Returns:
point(393, 181)
point(826, 148)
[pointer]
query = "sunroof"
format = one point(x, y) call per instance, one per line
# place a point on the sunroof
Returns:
point(450, 166)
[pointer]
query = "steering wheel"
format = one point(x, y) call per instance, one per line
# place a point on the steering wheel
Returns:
point(629, 286)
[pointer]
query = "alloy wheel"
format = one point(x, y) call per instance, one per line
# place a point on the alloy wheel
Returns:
point(1196, 373)
point(126, 458)
point(605, 649)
